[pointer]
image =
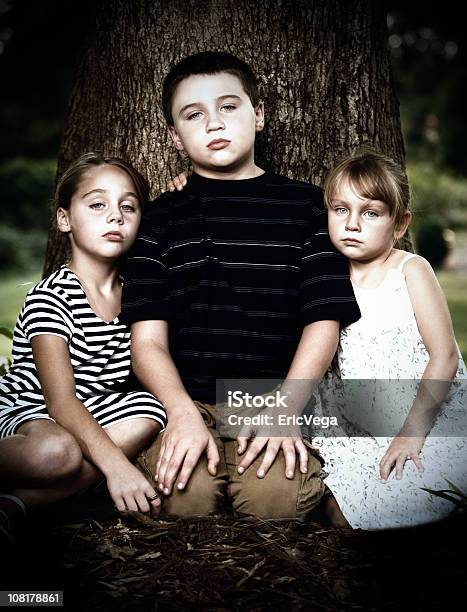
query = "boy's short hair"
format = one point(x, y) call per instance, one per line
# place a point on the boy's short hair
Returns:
point(372, 175)
point(207, 62)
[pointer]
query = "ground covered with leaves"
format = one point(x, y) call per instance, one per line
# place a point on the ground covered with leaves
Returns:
point(133, 562)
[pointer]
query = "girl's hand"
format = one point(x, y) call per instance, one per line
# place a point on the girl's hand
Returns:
point(400, 450)
point(179, 182)
point(130, 490)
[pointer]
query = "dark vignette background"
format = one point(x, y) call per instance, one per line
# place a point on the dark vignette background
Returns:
point(40, 46)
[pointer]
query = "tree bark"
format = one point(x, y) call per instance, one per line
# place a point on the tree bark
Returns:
point(323, 68)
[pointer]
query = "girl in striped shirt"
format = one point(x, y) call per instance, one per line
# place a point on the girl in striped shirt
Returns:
point(67, 415)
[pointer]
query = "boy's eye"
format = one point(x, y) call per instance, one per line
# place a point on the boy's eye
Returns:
point(96, 205)
point(228, 107)
point(371, 214)
point(340, 210)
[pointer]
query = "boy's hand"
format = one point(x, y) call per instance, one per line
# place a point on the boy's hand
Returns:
point(288, 437)
point(130, 490)
point(400, 450)
point(185, 439)
point(179, 182)
point(290, 445)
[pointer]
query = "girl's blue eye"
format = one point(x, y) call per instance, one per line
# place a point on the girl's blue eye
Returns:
point(96, 205)
point(193, 115)
point(129, 207)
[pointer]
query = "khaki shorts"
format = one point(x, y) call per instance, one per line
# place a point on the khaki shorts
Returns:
point(273, 496)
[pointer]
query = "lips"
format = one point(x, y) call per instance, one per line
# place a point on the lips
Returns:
point(351, 241)
point(113, 236)
point(219, 143)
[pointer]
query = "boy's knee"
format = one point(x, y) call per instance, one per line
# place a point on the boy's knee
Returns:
point(202, 496)
point(59, 456)
point(275, 496)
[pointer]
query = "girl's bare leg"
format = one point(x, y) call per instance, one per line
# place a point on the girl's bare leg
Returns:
point(41, 452)
point(49, 464)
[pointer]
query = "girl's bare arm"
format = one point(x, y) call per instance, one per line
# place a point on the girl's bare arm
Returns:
point(435, 326)
point(127, 486)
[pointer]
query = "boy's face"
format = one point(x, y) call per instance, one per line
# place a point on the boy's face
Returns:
point(215, 123)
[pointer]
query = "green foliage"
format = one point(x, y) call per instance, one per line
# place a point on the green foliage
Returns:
point(453, 494)
point(5, 362)
point(438, 194)
point(453, 285)
point(439, 204)
point(431, 242)
point(26, 189)
point(21, 250)
point(4, 331)
point(13, 289)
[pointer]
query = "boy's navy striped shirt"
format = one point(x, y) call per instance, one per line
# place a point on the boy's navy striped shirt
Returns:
point(237, 268)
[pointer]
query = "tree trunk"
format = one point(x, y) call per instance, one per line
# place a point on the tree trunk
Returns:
point(323, 67)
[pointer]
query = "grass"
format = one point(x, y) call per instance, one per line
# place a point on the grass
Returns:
point(454, 286)
point(13, 289)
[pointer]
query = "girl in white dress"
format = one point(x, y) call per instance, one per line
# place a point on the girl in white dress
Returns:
point(67, 414)
point(395, 440)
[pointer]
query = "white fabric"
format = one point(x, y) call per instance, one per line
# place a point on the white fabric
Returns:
point(385, 344)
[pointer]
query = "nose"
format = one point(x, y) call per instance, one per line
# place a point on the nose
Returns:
point(115, 215)
point(214, 122)
point(352, 223)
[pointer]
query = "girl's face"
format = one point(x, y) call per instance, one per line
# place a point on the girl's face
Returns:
point(361, 229)
point(104, 214)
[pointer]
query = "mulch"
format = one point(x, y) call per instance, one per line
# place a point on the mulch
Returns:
point(132, 562)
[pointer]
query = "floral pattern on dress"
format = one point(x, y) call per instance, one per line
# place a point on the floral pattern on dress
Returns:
point(385, 345)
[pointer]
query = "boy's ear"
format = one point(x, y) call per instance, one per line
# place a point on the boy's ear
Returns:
point(175, 138)
point(63, 220)
point(259, 116)
point(400, 230)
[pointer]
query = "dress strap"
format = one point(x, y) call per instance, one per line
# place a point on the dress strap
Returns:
point(405, 260)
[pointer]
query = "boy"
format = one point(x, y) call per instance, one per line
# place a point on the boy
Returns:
point(233, 278)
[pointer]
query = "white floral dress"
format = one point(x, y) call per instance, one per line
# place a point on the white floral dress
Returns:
point(385, 344)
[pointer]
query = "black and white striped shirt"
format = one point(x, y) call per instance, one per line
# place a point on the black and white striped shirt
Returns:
point(237, 268)
point(99, 353)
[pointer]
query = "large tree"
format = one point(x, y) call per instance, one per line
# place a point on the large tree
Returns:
point(323, 67)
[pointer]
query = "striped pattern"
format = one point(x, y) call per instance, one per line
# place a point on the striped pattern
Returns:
point(238, 268)
point(99, 353)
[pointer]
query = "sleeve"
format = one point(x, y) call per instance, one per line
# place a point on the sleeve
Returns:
point(145, 294)
point(46, 313)
point(325, 288)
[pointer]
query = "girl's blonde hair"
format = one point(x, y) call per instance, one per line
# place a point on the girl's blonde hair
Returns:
point(375, 176)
